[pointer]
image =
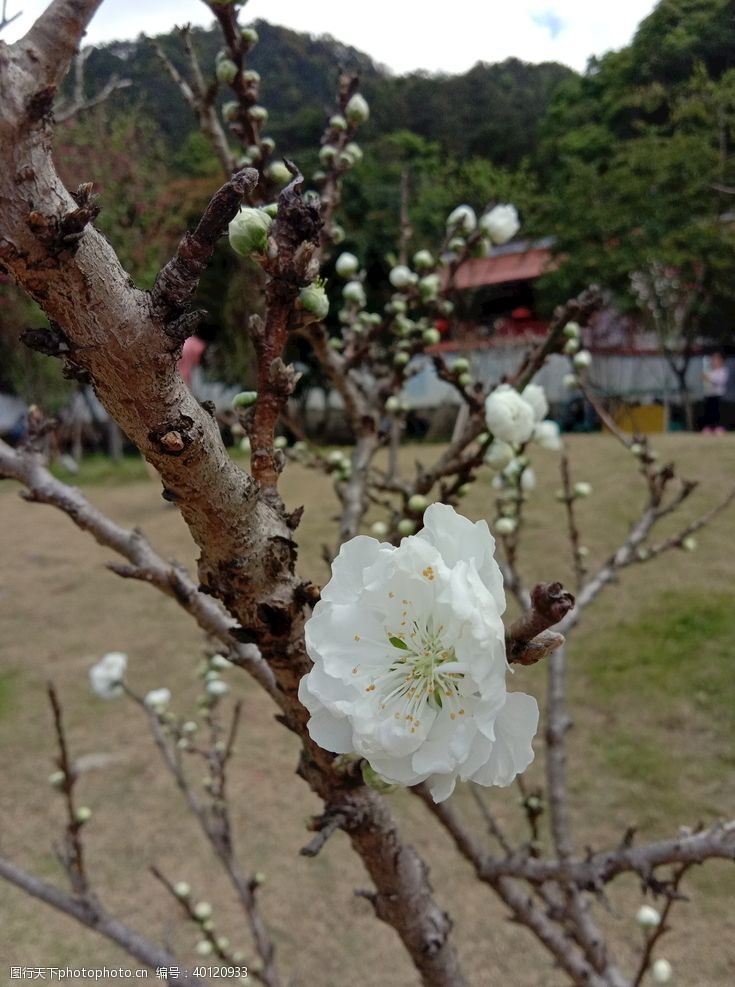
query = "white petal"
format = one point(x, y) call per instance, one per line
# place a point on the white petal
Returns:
point(512, 752)
point(442, 786)
point(354, 557)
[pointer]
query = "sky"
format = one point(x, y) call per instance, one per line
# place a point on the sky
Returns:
point(403, 34)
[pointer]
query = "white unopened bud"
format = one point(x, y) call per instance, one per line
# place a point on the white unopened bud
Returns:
point(327, 154)
point(431, 336)
point(83, 814)
point(357, 110)
point(279, 173)
point(56, 779)
point(313, 299)
point(582, 489)
point(258, 114)
point(460, 365)
point(423, 260)
point(505, 525)
point(347, 265)
point(226, 71)
point(217, 688)
point(406, 527)
point(689, 544)
point(662, 971)
point(648, 917)
point(338, 122)
point(417, 504)
point(204, 947)
point(571, 346)
point(202, 911)
point(249, 35)
point(379, 529)
point(182, 889)
point(572, 330)
point(393, 405)
point(354, 293)
point(582, 360)
point(501, 223)
point(571, 382)
point(230, 110)
point(402, 277)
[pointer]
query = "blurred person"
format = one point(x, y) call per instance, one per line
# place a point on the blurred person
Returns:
point(715, 379)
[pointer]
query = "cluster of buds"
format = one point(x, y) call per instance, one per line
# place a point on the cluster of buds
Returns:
point(466, 235)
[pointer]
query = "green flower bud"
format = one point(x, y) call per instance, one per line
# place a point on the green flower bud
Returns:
point(582, 489)
point(402, 277)
point(464, 490)
point(191, 726)
point(245, 399)
point(431, 337)
point(327, 154)
point(465, 380)
point(249, 35)
point(460, 365)
point(379, 529)
point(336, 233)
point(572, 330)
point(258, 113)
point(406, 527)
point(230, 110)
point(401, 359)
point(259, 879)
point(226, 71)
point(689, 544)
point(571, 346)
point(417, 504)
point(251, 78)
point(280, 442)
point(56, 779)
point(202, 911)
point(429, 287)
point(204, 947)
point(183, 744)
point(357, 110)
point(423, 260)
point(83, 814)
point(268, 145)
point(182, 889)
point(249, 231)
point(313, 299)
point(393, 405)
point(338, 122)
point(271, 209)
point(446, 307)
point(279, 173)
point(355, 151)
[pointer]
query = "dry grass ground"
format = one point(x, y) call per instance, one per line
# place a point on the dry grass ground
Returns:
point(651, 687)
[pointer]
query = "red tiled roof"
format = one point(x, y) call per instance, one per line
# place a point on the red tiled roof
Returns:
point(482, 271)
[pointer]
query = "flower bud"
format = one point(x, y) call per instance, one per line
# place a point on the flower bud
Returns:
point(337, 233)
point(259, 879)
point(393, 405)
point(279, 173)
point(327, 154)
point(280, 442)
point(230, 110)
point(379, 529)
point(313, 299)
point(431, 337)
point(245, 399)
point(572, 330)
point(571, 382)
point(464, 489)
point(429, 287)
point(689, 544)
point(499, 454)
point(248, 231)
point(56, 779)
point(406, 526)
point(662, 971)
point(204, 947)
point(249, 35)
point(357, 110)
point(220, 662)
point(183, 744)
point(338, 122)
point(336, 458)
point(462, 220)
point(244, 444)
point(423, 260)
point(226, 71)
point(258, 114)
point(460, 366)
point(182, 889)
point(83, 814)
point(401, 359)
point(582, 489)
point(355, 151)
point(417, 504)
point(354, 293)
point(402, 277)
point(347, 265)
point(505, 525)
point(582, 360)
point(571, 347)
point(465, 380)
point(268, 145)
point(252, 78)
point(648, 917)
point(191, 726)
point(217, 688)
point(202, 911)
point(583, 551)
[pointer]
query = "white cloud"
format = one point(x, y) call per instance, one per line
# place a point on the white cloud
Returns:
point(403, 35)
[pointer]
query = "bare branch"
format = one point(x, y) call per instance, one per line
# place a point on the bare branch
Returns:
point(78, 102)
point(51, 42)
point(93, 916)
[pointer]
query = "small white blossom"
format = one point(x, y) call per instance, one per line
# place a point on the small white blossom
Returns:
point(647, 917)
point(462, 220)
point(535, 395)
point(157, 699)
point(546, 434)
point(357, 109)
point(498, 454)
point(508, 416)
point(106, 677)
point(409, 659)
point(501, 223)
point(662, 971)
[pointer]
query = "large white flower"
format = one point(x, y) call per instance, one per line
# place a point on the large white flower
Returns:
point(501, 223)
point(509, 417)
point(409, 660)
point(106, 677)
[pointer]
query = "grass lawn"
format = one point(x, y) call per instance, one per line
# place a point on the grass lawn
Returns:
point(651, 690)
